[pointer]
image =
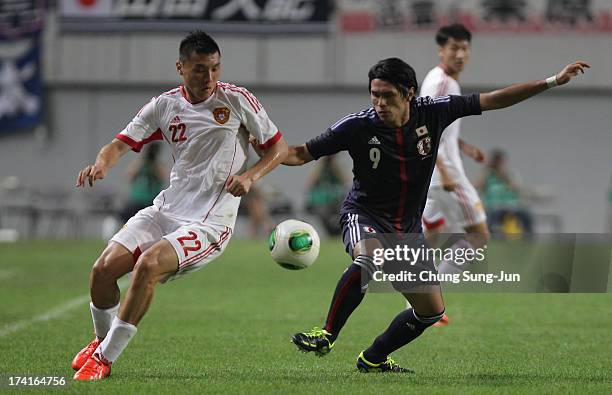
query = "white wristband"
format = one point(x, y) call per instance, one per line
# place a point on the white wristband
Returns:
point(551, 82)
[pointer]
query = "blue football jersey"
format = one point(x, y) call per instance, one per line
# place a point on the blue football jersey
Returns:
point(392, 167)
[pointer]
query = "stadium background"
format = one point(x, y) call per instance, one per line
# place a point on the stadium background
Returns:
point(94, 82)
point(96, 73)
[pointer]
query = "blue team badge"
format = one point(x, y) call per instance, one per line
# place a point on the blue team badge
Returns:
point(424, 146)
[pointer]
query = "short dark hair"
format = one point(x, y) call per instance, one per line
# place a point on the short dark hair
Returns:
point(456, 31)
point(396, 72)
point(199, 42)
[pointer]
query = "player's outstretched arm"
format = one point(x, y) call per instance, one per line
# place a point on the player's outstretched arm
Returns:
point(107, 158)
point(513, 94)
point(240, 184)
point(298, 155)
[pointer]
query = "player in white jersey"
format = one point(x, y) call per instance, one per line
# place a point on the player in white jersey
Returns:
point(207, 125)
point(452, 201)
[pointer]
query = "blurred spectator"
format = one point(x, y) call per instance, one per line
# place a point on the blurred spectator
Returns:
point(501, 197)
point(391, 15)
point(610, 207)
point(504, 10)
point(423, 12)
point(148, 176)
point(326, 190)
point(569, 11)
point(260, 222)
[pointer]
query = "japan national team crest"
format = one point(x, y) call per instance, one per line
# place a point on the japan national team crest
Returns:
point(424, 146)
point(221, 114)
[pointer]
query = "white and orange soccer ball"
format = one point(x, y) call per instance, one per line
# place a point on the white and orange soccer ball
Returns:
point(294, 244)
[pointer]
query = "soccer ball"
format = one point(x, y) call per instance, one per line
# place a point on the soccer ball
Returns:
point(294, 244)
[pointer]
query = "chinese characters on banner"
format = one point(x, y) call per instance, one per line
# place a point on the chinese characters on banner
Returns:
point(21, 105)
point(246, 16)
point(522, 16)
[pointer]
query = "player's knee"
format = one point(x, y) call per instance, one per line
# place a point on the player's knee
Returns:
point(364, 264)
point(146, 268)
point(103, 269)
point(427, 320)
point(366, 247)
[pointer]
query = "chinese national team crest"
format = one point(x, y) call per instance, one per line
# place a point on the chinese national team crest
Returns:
point(424, 146)
point(221, 114)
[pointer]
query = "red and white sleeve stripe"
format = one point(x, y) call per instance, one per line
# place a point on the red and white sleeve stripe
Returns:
point(137, 145)
point(271, 141)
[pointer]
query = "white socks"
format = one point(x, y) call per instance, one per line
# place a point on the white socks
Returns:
point(102, 319)
point(116, 341)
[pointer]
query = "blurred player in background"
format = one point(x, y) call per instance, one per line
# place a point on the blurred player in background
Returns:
point(502, 195)
point(393, 146)
point(148, 176)
point(452, 201)
point(207, 125)
point(260, 222)
point(327, 187)
point(610, 207)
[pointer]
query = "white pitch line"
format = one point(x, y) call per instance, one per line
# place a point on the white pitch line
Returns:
point(54, 312)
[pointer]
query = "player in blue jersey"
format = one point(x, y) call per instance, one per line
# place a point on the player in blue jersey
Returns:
point(394, 147)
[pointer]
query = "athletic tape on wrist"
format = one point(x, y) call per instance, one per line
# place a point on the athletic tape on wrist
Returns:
point(551, 82)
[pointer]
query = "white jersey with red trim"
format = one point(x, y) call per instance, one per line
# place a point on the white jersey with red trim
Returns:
point(209, 142)
point(438, 83)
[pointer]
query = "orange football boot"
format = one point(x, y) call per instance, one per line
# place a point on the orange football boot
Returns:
point(443, 321)
point(79, 360)
point(95, 368)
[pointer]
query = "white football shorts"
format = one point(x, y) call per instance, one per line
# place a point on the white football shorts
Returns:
point(457, 209)
point(195, 243)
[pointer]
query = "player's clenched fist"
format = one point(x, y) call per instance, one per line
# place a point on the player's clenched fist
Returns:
point(91, 173)
point(238, 185)
point(570, 71)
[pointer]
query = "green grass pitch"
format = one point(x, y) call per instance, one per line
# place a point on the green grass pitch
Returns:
point(226, 329)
